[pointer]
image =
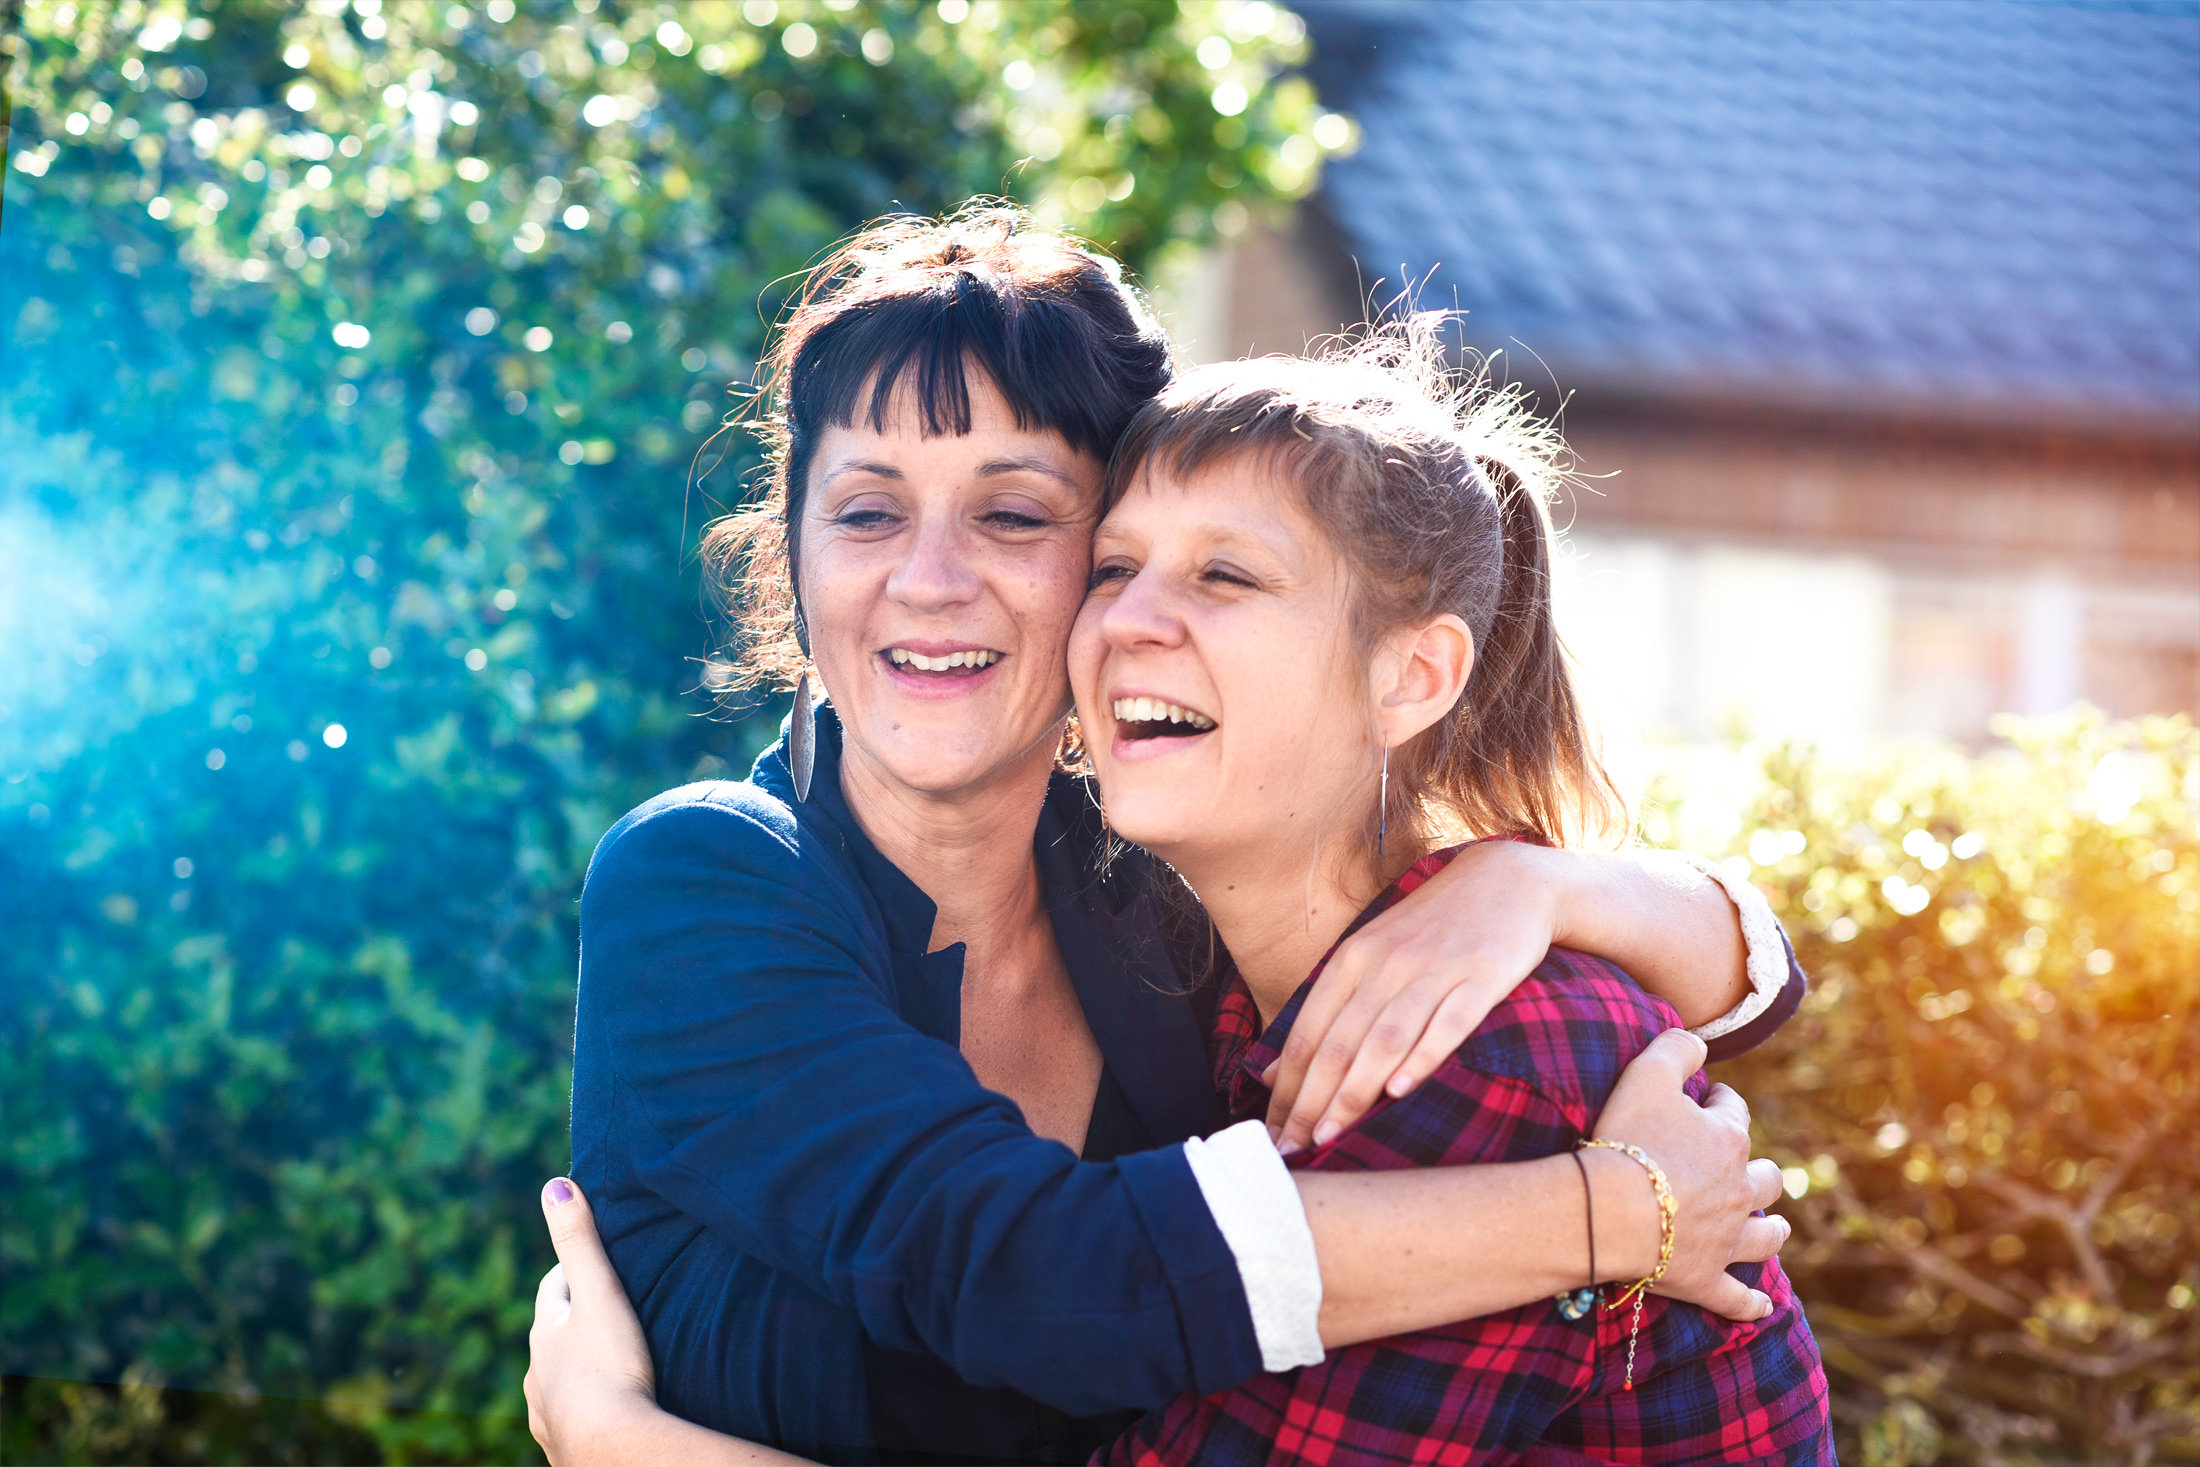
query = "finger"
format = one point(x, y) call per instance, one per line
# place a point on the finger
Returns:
point(1394, 1035)
point(553, 1300)
point(1725, 1295)
point(1725, 1102)
point(1761, 1238)
point(1332, 1058)
point(1676, 1051)
point(1455, 1020)
point(573, 1233)
point(1764, 1183)
point(1338, 983)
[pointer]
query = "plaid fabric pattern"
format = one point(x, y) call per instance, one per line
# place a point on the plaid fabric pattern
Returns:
point(1526, 1386)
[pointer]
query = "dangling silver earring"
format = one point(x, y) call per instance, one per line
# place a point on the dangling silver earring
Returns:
point(802, 740)
point(802, 729)
point(1382, 829)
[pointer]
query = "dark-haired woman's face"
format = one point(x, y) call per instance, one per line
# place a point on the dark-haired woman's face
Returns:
point(940, 577)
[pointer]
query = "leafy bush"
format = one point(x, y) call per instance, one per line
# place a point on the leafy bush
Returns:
point(356, 355)
point(1987, 1106)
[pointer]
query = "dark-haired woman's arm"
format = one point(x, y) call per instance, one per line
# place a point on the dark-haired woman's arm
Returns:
point(762, 1137)
point(1406, 990)
point(1400, 1251)
point(770, 1148)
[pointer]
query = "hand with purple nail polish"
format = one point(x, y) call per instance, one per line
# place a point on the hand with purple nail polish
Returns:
point(591, 1388)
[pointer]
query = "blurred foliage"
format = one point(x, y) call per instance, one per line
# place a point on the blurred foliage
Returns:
point(356, 355)
point(1987, 1106)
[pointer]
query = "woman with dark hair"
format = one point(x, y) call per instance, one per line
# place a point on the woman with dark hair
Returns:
point(890, 1093)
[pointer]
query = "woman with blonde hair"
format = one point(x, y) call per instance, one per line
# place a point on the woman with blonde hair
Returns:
point(1334, 576)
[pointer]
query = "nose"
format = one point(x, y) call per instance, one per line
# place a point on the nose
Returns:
point(1142, 615)
point(937, 574)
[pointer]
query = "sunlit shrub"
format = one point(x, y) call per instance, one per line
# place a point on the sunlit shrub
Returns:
point(355, 358)
point(1987, 1106)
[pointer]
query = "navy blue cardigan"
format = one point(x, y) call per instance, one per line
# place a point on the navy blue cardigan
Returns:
point(786, 1150)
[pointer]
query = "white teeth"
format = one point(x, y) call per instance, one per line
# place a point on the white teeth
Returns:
point(902, 656)
point(1156, 710)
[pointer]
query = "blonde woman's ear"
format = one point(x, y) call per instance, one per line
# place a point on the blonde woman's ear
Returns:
point(1433, 668)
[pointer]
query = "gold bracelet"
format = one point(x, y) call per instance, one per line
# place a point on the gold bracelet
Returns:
point(1668, 1209)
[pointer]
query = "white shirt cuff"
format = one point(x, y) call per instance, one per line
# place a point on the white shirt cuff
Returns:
point(1768, 960)
point(1256, 1205)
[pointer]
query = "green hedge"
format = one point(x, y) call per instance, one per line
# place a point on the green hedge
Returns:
point(356, 358)
point(1988, 1104)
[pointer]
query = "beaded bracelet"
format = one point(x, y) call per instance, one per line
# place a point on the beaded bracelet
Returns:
point(1668, 1210)
point(1576, 1303)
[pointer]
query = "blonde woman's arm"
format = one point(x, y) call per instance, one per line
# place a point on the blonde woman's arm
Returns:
point(1407, 989)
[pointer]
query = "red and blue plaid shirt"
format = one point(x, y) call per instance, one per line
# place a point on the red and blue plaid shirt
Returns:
point(1527, 1385)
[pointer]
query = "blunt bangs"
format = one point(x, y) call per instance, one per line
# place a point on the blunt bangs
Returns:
point(1054, 329)
point(1058, 368)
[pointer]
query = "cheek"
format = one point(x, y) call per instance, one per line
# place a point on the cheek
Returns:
point(1293, 708)
point(1042, 590)
point(841, 585)
point(1087, 646)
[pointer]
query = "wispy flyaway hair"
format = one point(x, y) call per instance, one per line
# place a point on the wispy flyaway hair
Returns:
point(1434, 485)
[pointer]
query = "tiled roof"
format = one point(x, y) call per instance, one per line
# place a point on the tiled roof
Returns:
point(1943, 205)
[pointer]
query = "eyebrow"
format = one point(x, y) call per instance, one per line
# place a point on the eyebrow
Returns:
point(875, 467)
point(1039, 466)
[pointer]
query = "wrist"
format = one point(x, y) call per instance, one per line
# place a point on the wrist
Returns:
point(1627, 1227)
point(1554, 886)
point(606, 1421)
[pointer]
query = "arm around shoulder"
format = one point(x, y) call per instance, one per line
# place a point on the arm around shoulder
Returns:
point(738, 1038)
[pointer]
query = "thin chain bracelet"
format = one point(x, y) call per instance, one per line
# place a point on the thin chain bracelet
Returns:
point(1668, 1210)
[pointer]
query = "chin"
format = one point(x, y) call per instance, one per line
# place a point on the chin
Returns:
point(1154, 818)
point(941, 755)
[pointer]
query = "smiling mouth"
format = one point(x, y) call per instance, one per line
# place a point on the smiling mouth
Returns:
point(946, 665)
point(1155, 718)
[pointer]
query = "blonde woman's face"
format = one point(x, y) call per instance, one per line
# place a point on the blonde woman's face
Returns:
point(939, 577)
point(1227, 709)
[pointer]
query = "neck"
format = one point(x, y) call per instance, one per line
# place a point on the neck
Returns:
point(969, 849)
point(1279, 908)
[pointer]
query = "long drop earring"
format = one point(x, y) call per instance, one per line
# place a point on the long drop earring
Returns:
point(802, 728)
point(1382, 828)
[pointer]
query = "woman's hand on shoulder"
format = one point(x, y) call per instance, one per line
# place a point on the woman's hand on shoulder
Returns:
point(1407, 989)
point(588, 1368)
point(1703, 1150)
point(591, 1389)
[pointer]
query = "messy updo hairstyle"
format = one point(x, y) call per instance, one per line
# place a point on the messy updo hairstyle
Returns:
point(1434, 486)
point(919, 304)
